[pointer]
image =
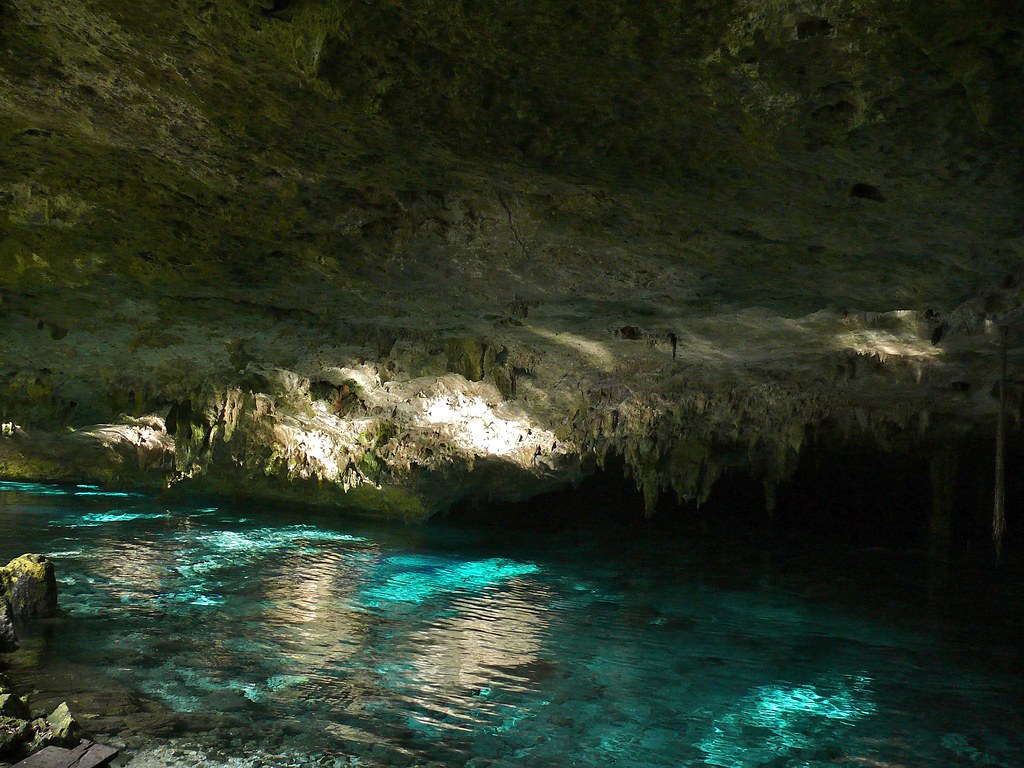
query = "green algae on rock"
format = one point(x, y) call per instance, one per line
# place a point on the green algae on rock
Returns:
point(30, 585)
point(58, 728)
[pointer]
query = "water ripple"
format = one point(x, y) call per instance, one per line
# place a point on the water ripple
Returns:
point(322, 640)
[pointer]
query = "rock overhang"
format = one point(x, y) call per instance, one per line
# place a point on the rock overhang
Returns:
point(784, 206)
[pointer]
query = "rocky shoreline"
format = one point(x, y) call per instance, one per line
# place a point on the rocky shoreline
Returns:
point(28, 589)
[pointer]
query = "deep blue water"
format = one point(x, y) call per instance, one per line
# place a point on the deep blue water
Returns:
point(277, 637)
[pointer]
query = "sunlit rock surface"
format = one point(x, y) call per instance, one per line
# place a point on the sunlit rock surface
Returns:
point(30, 585)
point(394, 256)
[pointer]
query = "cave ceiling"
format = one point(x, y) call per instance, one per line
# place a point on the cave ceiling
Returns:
point(359, 245)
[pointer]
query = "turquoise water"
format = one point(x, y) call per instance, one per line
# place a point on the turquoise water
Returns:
point(246, 636)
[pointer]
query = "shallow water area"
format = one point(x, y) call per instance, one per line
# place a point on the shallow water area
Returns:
point(242, 636)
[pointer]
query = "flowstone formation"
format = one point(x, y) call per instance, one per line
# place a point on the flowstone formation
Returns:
point(394, 256)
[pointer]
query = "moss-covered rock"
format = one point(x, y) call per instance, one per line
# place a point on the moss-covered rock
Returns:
point(58, 729)
point(64, 730)
point(30, 585)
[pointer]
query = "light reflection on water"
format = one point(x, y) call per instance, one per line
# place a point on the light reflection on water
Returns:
point(411, 646)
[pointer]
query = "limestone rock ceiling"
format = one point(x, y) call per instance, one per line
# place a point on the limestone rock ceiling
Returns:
point(383, 252)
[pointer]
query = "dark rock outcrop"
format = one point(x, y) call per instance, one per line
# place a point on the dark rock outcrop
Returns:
point(8, 636)
point(14, 735)
point(14, 706)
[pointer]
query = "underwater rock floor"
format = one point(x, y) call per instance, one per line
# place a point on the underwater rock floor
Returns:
point(215, 636)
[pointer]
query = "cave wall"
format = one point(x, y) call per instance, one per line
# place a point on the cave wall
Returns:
point(394, 256)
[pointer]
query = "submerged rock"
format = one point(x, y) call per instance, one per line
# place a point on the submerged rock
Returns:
point(31, 586)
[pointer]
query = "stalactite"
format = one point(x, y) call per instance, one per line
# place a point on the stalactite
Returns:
point(999, 506)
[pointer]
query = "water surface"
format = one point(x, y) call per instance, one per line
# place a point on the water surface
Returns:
point(210, 635)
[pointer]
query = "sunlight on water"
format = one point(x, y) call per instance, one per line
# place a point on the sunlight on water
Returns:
point(406, 579)
point(40, 489)
point(788, 721)
point(115, 516)
point(266, 539)
point(282, 643)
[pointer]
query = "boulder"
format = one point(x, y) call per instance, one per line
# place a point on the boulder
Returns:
point(59, 729)
point(31, 586)
point(8, 637)
point(6, 686)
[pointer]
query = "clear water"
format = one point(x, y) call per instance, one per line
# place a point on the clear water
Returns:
point(232, 636)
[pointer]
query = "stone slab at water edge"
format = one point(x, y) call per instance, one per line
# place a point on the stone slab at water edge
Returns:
point(85, 755)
